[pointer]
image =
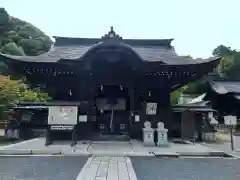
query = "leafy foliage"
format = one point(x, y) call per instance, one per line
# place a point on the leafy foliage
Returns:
point(18, 37)
point(4, 18)
point(13, 91)
point(176, 94)
point(230, 63)
point(13, 49)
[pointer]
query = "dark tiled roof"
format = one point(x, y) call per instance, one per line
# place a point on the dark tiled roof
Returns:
point(195, 107)
point(148, 49)
point(151, 50)
point(66, 41)
point(224, 87)
point(147, 53)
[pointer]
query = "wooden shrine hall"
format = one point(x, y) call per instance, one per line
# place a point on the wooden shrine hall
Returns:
point(119, 83)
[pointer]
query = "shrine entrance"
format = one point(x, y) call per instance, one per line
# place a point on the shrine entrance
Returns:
point(112, 114)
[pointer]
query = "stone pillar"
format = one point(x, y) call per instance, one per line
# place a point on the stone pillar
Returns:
point(148, 134)
point(162, 134)
point(90, 99)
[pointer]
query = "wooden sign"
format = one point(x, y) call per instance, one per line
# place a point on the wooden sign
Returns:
point(151, 108)
point(65, 115)
point(230, 120)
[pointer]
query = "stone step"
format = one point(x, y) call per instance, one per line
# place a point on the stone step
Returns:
point(111, 137)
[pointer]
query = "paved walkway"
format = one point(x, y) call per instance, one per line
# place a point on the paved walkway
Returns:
point(117, 168)
point(112, 148)
point(107, 168)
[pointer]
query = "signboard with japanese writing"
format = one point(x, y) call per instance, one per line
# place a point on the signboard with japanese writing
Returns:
point(65, 115)
point(151, 108)
point(230, 120)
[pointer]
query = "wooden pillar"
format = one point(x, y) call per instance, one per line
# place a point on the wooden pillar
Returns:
point(48, 135)
point(135, 128)
point(90, 99)
point(74, 136)
point(131, 94)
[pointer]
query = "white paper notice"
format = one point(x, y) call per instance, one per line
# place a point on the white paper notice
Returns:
point(83, 118)
point(137, 118)
point(230, 120)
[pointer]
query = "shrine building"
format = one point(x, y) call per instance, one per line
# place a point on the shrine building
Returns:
point(117, 83)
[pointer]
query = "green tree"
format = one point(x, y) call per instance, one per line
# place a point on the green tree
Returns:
point(225, 66)
point(176, 94)
point(20, 38)
point(4, 18)
point(198, 87)
point(13, 91)
point(12, 49)
point(222, 50)
point(230, 63)
point(34, 96)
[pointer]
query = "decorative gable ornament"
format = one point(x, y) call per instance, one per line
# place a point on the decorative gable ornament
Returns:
point(111, 36)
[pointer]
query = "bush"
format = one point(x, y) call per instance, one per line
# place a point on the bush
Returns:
point(12, 49)
point(13, 91)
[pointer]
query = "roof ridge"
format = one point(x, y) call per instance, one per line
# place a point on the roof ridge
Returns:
point(66, 41)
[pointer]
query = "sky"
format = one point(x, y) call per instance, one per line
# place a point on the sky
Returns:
point(197, 26)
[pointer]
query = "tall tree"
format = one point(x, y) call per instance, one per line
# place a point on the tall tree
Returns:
point(230, 63)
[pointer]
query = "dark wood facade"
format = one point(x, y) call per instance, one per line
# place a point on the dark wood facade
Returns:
point(225, 98)
point(133, 71)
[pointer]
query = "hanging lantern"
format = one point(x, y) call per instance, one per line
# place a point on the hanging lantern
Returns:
point(101, 88)
point(70, 92)
point(101, 111)
point(121, 87)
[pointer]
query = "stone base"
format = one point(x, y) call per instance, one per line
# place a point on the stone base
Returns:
point(209, 136)
point(148, 143)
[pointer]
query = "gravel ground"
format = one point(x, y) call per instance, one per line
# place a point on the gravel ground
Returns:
point(40, 168)
point(186, 169)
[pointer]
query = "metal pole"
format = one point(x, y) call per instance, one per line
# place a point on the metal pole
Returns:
point(182, 125)
point(111, 121)
point(231, 134)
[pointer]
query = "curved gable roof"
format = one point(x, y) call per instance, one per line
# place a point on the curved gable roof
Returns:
point(150, 50)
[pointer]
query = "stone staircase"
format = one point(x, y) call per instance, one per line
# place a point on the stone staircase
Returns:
point(111, 137)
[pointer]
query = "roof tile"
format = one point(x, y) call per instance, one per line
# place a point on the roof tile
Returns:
point(224, 87)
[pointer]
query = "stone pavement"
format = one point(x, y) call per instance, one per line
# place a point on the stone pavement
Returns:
point(41, 167)
point(110, 148)
point(186, 168)
point(46, 167)
point(107, 168)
